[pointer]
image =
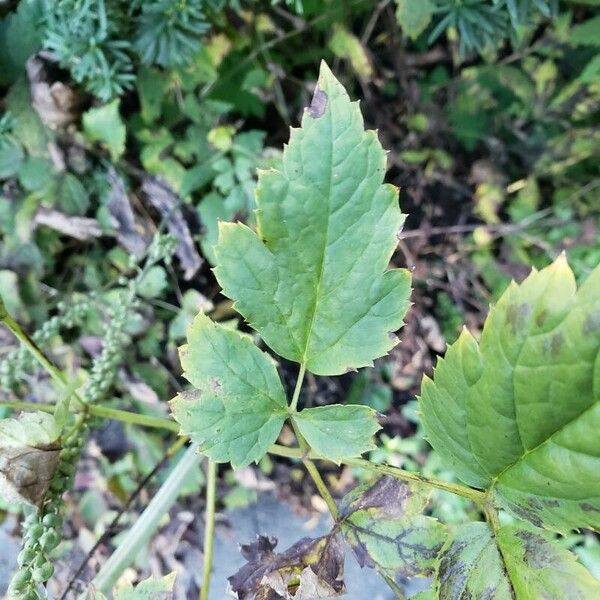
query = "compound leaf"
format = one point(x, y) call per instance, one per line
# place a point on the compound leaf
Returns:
point(238, 406)
point(517, 563)
point(29, 456)
point(327, 228)
point(383, 524)
point(522, 414)
point(338, 431)
point(311, 568)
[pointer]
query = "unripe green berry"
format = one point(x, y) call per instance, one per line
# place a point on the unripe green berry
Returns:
point(49, 540)
point(51, 520)
point(26, 555)
point(20, 580)
point(35, 532)
point(43, 573)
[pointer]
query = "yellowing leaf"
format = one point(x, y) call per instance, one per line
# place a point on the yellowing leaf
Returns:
point(520, 413)
point(346, 45)
point(314, 281)
point(238, 406)
point(383, 524)
point(149, 589)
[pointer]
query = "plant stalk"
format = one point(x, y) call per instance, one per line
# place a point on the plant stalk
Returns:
point(297, 388)
point(98, 410)
point(475, 496)
point(209, 527)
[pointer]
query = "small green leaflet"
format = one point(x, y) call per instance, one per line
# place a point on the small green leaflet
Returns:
point(414, 16)
point(383, 524)
point(104, 124)
point(520, 413)
point(338, 431)
point(238, 406)
point(314, 281)
point(517, 563)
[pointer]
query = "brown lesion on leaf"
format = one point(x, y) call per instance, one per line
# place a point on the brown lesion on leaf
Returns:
point(318, 104)
point(215, 385)
point(536, 550)
point(556, 343)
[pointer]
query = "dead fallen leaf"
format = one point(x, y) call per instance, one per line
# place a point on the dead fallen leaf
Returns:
point(80, 228)
point(129, 233)
point(56, 103)
point(311, 568)
point(164, 199)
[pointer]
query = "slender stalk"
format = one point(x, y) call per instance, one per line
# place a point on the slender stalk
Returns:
point(57, 375)
point(296, 394)
point(209, 527)
point(322, 487)
point(98, 410)
point(454, 488)
point(147, 524)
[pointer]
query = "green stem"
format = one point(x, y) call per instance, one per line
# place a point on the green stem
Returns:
point(57, 375)
point(296, 394)
point(475, 496)
point(209, 527)
point(103, 411)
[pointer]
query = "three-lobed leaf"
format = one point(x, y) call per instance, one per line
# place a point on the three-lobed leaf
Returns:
point(519, 413)
point(313, 280)
point(238, 406)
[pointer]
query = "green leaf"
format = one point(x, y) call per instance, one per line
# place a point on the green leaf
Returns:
point(20, 38)
point(104, 124)
point(152, 86)
point(383, 524)
point(519, 413)
point(149, 589)
point(586, 33)
point(11, 157)
point(327, 227)
point(153, 282)
point(35, 173)
point(516, 563)
point(238, 407)
point(414, 16)
point(71, 195)
point(345, 44)
point(338, 431)
point(29, 455)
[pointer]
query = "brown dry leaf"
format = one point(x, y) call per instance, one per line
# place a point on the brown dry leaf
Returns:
point(56, 103)
point(29, 456)
point(80, 228)
point(129, 233)
point(311, 568)
point(166, 202)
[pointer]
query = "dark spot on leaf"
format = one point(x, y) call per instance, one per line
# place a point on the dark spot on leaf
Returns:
point(551, 502)
point(318, 104)
point(541, 318)
point(527, 515)
point(592, 323)
point(537, 552)
point(587, 507)
point(215, 385)
point(516, 316)
point(556, 343)
point(190, 395)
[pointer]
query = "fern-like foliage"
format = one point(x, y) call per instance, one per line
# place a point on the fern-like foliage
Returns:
point(85, 38)
point(169, 33)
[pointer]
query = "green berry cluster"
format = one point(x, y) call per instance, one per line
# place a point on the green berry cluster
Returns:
point(20, 361)
point(42, 527)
